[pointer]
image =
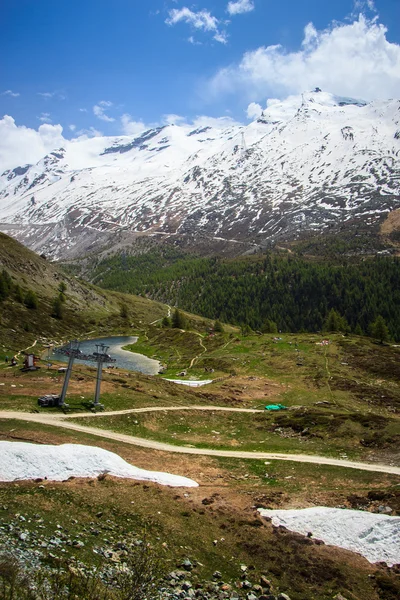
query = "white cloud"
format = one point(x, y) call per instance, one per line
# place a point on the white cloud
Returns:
point(348, 59)
point(20, 145)
point(221, 37)
point(173, 119)
point(83, 110)
point(11, 93)
point(254, 110)
point(362, 5)
point(130, 127)
point(216, 122)
point(46, 94)
point(100, 109)
point(193, 41)
point(240, 6)
point(50, 95)
point(45, 118)
point(202, 20)
point(87, 134)
point(72, 127)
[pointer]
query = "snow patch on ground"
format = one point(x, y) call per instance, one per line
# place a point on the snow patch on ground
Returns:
point(191, 383)
point(374, 536)
point(19, 460)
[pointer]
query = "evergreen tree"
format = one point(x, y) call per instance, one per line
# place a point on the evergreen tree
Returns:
point(218, 327)
point(335, 322)
point(178, 320)
point(31, 300)
point(166, 322)
point(19, 296)
point(269, 327)
point(379, 329)
point(124, 312)
point(358, 330)
point(57, 311)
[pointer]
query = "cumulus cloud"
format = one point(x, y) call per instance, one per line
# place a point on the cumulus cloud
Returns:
point(130, 126)
point(99, 110)
point(20, 145)
point(254, 110)
point(202, 20)
point(87, 134)
point(353, 59)
point(11, 93)
point(239, 7)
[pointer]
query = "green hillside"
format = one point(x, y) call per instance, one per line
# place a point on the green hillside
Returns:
point(293, 292)
point(38, 299)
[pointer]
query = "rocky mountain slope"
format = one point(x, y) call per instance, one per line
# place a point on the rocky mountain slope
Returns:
point(309, 163)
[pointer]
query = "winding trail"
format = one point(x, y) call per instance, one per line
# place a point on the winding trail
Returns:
point(201, 354)
point(64, 422)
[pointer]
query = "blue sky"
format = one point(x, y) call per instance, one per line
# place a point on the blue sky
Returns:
point(95, 66)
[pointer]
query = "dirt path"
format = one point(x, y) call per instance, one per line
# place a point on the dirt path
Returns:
point(201, 354)
point(65, 423)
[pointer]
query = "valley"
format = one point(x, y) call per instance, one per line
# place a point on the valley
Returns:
point(340, 405)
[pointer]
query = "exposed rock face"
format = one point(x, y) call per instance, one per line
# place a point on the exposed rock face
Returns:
point(307, 164)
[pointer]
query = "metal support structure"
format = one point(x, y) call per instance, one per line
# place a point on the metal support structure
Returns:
point(102, 357)
point(72, 351)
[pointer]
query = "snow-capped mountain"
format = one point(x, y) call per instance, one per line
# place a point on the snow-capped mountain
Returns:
point(308, 163)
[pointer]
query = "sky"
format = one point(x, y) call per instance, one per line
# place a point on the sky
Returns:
point(93, 67)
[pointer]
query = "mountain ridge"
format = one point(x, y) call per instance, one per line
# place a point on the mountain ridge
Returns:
point(308, 164)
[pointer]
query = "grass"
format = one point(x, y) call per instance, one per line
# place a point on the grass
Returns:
point(103, 513)
point(307, 432)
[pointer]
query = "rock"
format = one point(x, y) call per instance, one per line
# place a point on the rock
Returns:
point(283, 597)
point(187, 565)
point(339, 597)
point(251, 596)
point(247, 585)
point(266, 597)
point(265, 582)
point(217, 575)
point(385, 510)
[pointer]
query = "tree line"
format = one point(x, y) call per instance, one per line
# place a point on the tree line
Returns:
point(292, 293)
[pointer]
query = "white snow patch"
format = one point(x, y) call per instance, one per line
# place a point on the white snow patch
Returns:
point(190, 383)
point(19, 460)
point(374, 536)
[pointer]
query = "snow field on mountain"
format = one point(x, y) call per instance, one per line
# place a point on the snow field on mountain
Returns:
point(23, 461)
point(310, 159)
point(374, 536)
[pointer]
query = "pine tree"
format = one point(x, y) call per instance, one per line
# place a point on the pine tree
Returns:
point(124, 312)
point(218, 327)
point(166, 322)
point(31, 300)
point(178, 320)
point(57, 311)
point(379, 329)
point(269, 327)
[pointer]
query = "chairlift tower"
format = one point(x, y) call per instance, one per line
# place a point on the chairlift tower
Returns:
point(101, 357)
point(72, 351)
